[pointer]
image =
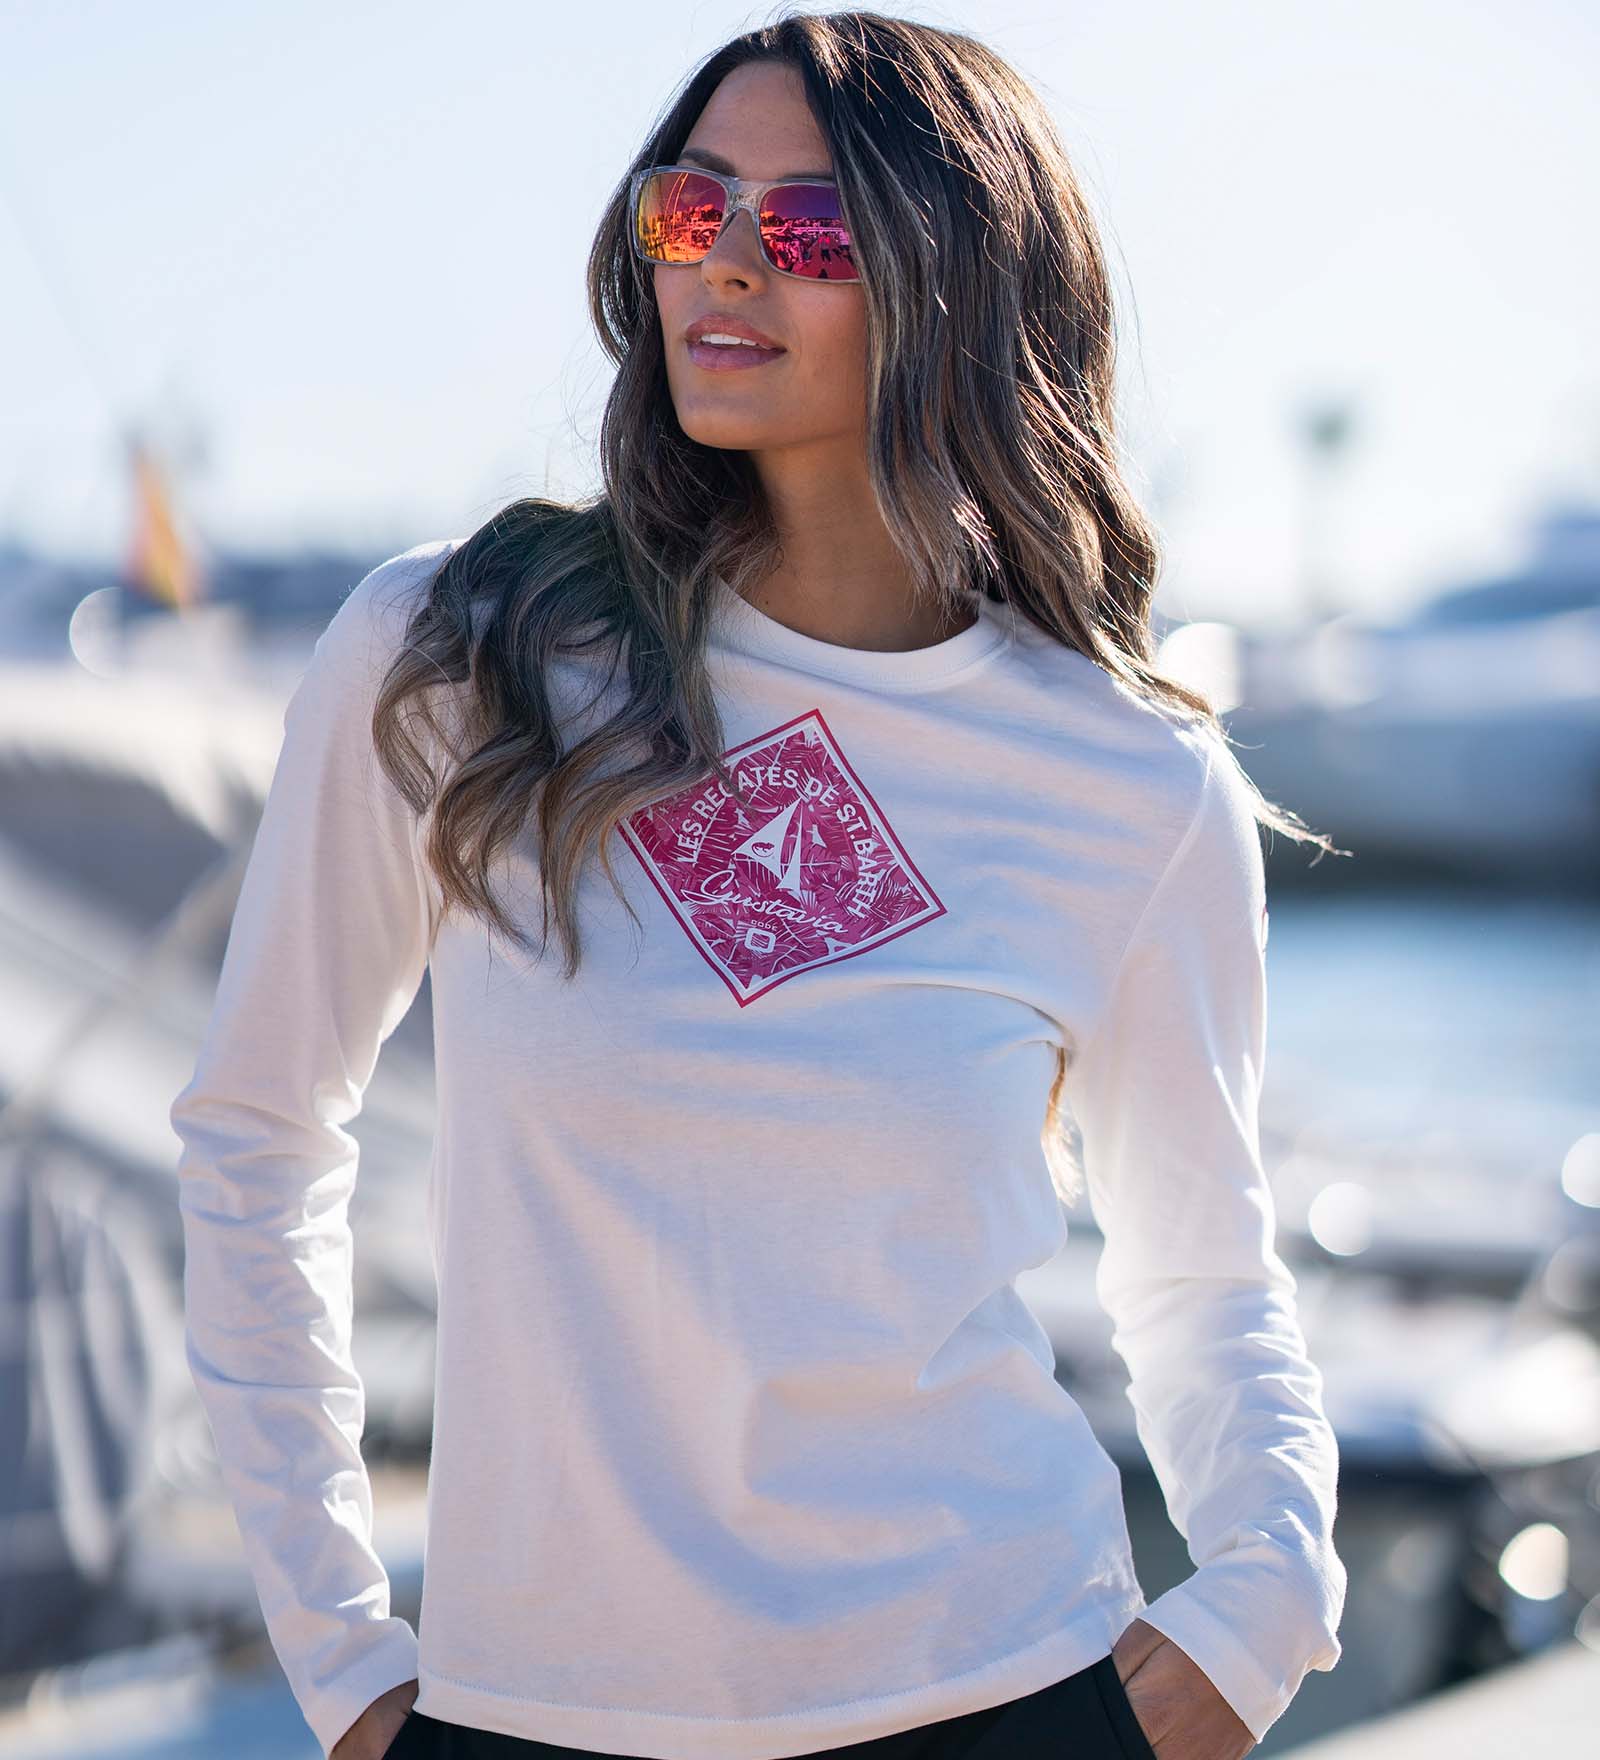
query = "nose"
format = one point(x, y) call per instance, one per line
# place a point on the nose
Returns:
point(737, 251)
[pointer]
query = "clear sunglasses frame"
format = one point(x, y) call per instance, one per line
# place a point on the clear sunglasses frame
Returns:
point(740, 192)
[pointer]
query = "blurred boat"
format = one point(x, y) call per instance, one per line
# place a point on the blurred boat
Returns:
point(1462, 738)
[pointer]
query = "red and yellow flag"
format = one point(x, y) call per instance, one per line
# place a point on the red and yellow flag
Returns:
point(161, 563)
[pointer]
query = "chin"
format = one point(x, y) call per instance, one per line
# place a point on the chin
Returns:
point(729, 430)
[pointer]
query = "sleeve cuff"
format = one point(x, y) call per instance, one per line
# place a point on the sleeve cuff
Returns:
point(1258, 1680)
point(331, 1710)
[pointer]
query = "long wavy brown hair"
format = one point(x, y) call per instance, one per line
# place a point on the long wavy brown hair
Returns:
point(992, 450)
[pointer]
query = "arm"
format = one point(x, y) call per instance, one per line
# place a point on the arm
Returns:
point(1228, 1406)
point(327, 949)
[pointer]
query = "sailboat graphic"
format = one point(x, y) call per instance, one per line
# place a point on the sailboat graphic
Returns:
point(783, 883)
point(764, 846)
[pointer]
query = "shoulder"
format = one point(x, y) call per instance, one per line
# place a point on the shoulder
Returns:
point(383, 601)
point(1148, 764)
point(1214, 883)
point(368, 626)
point(1153, 788)
point(339, 685)
point(1213, 861)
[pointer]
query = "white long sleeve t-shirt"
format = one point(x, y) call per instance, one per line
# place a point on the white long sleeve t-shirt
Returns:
point(745, 1444)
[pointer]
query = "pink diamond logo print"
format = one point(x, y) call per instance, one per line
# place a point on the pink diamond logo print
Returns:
point(806, 873)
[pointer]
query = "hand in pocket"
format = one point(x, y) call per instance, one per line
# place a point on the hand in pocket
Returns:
point(1182, 1714)
point(376, 1732)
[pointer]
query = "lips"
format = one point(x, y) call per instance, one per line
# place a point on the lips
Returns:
point(725, 324)
point(755, 350)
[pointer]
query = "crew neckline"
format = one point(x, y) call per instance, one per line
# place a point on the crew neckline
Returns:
point(747, 630)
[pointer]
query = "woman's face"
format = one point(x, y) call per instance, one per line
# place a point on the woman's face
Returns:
point(757, 124)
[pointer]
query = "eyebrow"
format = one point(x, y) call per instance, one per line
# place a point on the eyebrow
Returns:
point(718, 163)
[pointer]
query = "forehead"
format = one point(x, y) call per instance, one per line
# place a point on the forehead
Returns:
point(757, 124)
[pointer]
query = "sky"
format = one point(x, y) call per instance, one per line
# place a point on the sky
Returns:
point(332, 258)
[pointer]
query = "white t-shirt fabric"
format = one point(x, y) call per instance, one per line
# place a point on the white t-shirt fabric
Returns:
point(745, 1444)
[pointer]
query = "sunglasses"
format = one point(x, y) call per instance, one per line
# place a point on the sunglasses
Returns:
point(679, 212)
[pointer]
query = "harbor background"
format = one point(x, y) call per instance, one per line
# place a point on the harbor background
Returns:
point(284, 293)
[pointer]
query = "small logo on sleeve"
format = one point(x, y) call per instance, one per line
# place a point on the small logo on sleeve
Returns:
point(806, 873)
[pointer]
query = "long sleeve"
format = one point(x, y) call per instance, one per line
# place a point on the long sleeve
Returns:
point(326, 951)
point(1226, 1401)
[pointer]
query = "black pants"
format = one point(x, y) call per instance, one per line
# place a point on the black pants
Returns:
point(1086, 1715)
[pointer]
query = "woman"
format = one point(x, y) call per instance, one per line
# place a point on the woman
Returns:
point(744, 1443)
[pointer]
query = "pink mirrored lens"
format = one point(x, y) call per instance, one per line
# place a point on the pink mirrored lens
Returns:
point(805, 233)
point(679, 214)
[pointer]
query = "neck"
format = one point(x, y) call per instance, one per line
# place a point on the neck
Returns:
point(840, 578)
